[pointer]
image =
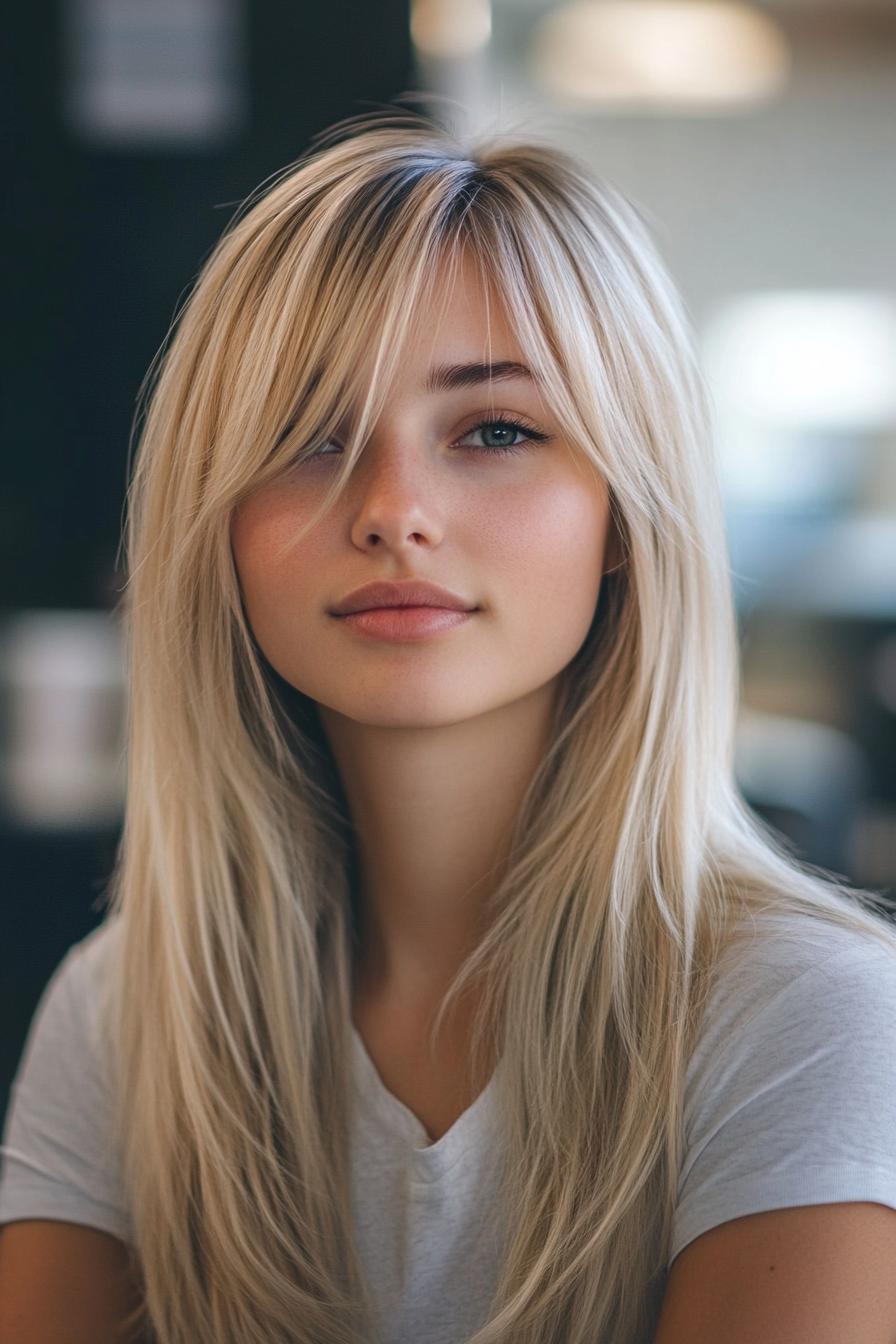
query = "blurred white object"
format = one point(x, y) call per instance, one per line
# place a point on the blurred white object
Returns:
point(63, 684)
point(168, 73)
point(806, 359)
point(802, 385)
point(685, 53)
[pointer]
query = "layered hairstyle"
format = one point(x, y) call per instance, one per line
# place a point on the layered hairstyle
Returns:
point(635, 864)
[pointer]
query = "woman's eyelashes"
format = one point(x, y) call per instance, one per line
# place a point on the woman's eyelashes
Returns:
point(502, 428)
point(505, 425)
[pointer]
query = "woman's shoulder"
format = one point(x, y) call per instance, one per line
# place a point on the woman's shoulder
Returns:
point(792, 978)
point(73, 993)
point(58, 1156)
point(65, 1018)
point(774, 951)
point(791, 1088)
point(93, 952)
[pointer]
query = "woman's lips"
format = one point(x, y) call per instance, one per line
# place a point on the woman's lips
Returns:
point(404, 623)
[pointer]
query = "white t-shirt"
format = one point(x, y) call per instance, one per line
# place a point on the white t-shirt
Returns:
point(790, 1099)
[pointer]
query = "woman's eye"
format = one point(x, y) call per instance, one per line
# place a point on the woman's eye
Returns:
point(503, 430)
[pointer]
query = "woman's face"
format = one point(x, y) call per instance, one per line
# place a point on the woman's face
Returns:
point(520, 535)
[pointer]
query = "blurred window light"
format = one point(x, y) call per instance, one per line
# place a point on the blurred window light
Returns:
point(167, 73)
point(808, 359)
point(800, 383)
point(645, 53)
point(450, 28)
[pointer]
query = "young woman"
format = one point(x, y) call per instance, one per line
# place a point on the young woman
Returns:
point(448, 989)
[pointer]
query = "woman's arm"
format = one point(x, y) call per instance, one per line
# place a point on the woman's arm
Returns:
point(64, 1283)
point(814, 1274)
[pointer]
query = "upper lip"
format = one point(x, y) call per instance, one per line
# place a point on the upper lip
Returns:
point(410, 593)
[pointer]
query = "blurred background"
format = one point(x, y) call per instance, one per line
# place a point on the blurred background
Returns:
point(760, 142)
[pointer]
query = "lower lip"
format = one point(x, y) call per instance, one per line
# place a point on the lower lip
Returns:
point(402, 623)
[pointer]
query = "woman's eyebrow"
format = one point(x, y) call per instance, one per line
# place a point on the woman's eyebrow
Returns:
point(446, 377)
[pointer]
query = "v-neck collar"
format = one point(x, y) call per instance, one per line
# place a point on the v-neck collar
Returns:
point(437, 1154)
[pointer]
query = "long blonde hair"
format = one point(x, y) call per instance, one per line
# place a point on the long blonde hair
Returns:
point(634, 862)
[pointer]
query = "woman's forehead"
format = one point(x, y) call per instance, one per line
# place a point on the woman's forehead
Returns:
point(455, 335)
